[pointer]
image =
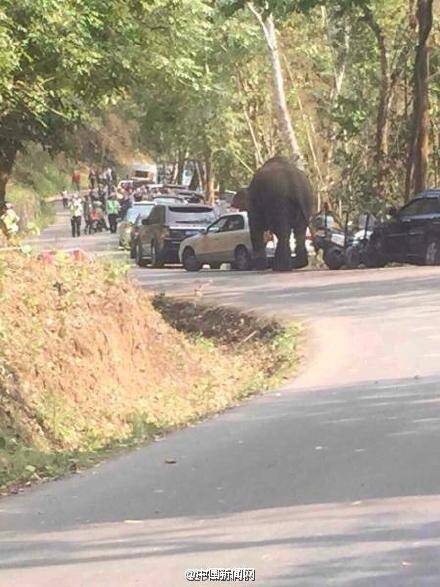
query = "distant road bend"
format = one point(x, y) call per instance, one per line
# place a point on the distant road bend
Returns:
point(332, 480)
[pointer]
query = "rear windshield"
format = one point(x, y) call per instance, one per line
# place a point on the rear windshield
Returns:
point(168, 200)
point(133, 213)
point(191, 215)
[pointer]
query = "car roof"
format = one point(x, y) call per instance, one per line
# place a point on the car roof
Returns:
point(429, 193)
point(186, 206)
point(168, 196)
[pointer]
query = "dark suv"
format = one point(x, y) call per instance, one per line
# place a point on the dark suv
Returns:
point(412, 235)
point(167, 226)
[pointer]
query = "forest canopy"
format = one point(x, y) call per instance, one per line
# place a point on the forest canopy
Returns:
point(348, 88)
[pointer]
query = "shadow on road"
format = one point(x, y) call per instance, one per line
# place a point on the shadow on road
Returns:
point(324, 448)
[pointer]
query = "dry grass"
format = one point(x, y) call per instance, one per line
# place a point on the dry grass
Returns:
point(87, 363)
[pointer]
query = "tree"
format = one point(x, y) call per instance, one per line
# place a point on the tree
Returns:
point(392, 67)
point(417, 169)
point(64, 60)
point(265, 11)
point(268, 26)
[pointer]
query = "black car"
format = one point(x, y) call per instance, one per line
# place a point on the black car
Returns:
point(412, 235)
point(160, 234)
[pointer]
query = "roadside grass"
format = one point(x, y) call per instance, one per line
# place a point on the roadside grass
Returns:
point(37, 176)
point(90, 365)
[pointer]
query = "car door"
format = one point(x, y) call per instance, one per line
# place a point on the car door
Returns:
point(233, 235)
point(398, 230)
point(208, 250)
point(150, 228)
point(419, 226)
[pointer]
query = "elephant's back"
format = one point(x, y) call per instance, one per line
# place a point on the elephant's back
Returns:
point(278, 178)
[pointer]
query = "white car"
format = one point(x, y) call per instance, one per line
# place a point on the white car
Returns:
point(227, 240)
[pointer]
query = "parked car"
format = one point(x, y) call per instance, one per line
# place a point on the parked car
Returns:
point(126, 225)
point(227, 240)
point(412, 235)
point(168, 199)
point(167, 226)
point(135, 230)
point(190, 196)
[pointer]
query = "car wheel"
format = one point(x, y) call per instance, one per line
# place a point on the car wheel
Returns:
point(156, 260)
point(140, 260)
point(334, 258)
point(373, 257)
point(242, 260)
point(190, 261)
point(352, 258)
point(215, 265)
point(432, 255)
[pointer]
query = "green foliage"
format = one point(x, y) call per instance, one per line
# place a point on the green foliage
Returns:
point(62, 61)
point(192, 80)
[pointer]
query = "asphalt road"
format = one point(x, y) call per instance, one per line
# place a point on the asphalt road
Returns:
point(332, 480)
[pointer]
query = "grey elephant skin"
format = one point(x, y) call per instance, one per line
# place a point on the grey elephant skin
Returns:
point(280, 199)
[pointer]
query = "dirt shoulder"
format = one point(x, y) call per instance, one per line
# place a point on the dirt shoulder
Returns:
point(90, 364)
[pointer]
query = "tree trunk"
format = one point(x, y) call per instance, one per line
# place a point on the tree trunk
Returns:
point(257, 147)
point(174, 172)
point(195, 180)
point(307, 125)
point(210, 179)
point(383, 110)
point(340, 60)
point(284, 120)
point(417, 167)
point(8, 152)
point(181, 159)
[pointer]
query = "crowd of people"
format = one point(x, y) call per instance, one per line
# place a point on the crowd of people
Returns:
point(98, 212)
point(104, 202)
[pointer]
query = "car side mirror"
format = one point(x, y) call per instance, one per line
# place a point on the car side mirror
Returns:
point(144, 221)
point(392, 211)
point(204, 231)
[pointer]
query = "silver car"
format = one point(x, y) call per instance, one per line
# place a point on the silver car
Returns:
point(125, 227)
point(227, 240)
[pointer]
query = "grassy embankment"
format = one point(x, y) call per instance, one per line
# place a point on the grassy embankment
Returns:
point(89, 364)
point(36, 177)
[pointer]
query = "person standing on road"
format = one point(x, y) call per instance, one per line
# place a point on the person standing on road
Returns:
point(87, 208)
point(10, 221)
point(125, 204)
point(112, 209)
point(65, 199)
point(92, 178)
point(108, 174)
point(76, 180)
point(76, 213)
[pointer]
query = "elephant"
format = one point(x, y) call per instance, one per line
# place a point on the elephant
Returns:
point(280, 199)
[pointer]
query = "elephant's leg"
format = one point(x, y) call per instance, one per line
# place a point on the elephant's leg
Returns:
point(257, 228)
point(301, 258)
point(283, 254)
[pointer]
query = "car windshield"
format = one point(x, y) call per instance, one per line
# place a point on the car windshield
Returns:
point(191, 215)
point(134, 211)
